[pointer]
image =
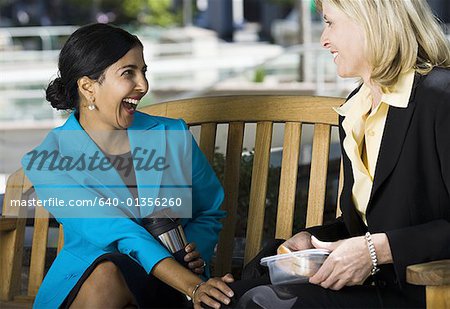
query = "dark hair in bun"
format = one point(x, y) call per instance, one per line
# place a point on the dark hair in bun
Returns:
point(56, 94)
point(89, 51)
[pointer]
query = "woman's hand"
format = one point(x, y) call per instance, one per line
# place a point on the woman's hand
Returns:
point(349, 263)
point(195, 262)
point(214, 292)
point(300, 241)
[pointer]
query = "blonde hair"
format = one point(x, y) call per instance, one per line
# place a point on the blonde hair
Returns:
point(400, 35)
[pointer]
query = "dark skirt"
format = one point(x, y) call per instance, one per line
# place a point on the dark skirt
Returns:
point(148, 291)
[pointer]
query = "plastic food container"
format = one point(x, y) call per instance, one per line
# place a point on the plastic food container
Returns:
point(294, 267)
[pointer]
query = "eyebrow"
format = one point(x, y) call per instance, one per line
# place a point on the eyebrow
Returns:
point(131, 66)
point(325, 17)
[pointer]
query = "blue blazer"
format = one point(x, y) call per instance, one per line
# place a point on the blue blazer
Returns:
point(118, 228)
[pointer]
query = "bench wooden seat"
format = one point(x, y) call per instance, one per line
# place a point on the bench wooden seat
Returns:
point(207, 113)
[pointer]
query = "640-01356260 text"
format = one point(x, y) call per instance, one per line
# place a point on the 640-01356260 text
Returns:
point(102, 202)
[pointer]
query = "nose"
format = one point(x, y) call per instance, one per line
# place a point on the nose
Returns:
point(142, 83)
point(324, 41)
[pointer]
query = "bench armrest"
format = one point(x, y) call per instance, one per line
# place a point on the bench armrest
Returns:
point(432, 273)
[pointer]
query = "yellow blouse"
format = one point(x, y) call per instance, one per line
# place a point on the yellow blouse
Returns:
point(363, 129)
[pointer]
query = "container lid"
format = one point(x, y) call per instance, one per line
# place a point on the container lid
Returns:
point(303, 253)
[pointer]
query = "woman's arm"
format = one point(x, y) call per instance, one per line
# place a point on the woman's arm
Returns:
point(349, 262)
point(211, 292)
point(429, 241)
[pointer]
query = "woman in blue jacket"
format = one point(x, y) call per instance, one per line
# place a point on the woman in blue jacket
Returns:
point(109, 166)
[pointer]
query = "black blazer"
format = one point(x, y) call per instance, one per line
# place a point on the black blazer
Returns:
point(410, 198)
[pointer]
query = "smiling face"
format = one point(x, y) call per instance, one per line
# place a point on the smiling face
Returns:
point(346, 41)
point(117, 94)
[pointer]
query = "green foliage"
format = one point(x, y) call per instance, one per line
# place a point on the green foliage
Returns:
point(260, 75)
point(152, 12)
point(245, 178)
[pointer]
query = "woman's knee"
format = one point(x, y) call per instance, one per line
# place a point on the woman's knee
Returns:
point(106, 286)
point(106, 270)
point(106, 281)
point(106, 274)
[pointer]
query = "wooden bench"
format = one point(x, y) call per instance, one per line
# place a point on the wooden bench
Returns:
point(208, 113)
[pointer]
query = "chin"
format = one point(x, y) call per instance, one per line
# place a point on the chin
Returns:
point(125, 121)
point(127, 125)
point(345, 74)
point(123, 125)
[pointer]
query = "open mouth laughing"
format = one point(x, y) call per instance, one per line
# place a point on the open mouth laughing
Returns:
point(130, 104)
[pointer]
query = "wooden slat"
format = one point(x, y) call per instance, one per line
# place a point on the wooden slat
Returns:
point(438, 297)
point(38, 250)
point(231, 187)
point(318, 176)
point(156, 110)
point(13, 192)
point(8, 224)
point(258, 190)
point(60, 238)
point(288, 180)
point(23, 300)
point(27, 185)
point(250, 108)
point(11, 243)
point(340, 186)
point(208, 140)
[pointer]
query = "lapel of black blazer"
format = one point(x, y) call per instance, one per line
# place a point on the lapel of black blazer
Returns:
point(396, 127)
point(352, 219)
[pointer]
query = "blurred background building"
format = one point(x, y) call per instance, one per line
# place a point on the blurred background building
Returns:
point(192, 47)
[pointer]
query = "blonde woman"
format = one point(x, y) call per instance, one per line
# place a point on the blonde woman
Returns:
point(394, 131)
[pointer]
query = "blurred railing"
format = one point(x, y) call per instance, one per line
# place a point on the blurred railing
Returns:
point(46, 35)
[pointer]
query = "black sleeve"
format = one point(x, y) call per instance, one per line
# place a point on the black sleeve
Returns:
point(332, 231)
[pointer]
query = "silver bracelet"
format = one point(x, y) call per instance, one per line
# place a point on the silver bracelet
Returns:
point(196, 288)
point(373, 254)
